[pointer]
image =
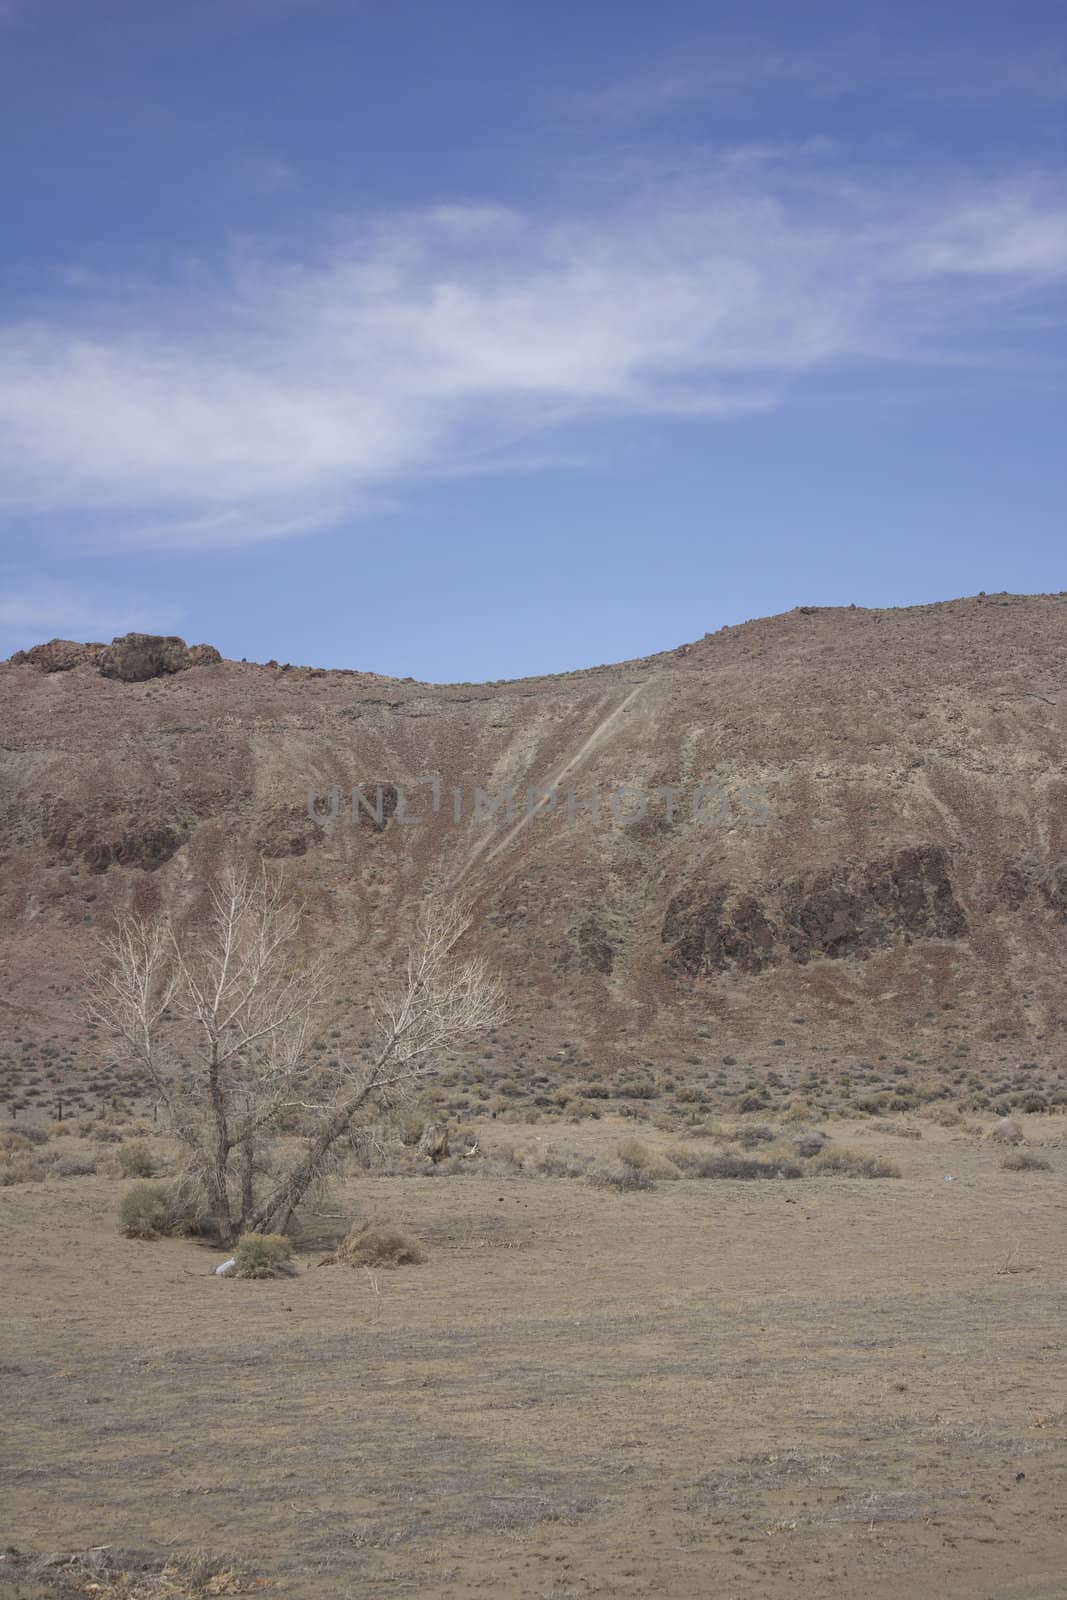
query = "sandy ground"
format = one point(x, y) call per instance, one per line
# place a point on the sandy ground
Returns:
point(812, 1388)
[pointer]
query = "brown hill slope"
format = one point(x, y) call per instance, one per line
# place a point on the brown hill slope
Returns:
point(879, 865)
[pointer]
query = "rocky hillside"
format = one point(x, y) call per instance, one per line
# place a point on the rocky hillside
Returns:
point(808, 841)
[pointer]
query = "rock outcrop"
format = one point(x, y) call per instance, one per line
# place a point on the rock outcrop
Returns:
point(136, 657)
point(131, 657)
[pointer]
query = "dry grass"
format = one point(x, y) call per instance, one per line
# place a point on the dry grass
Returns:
point(770, 1389)
point(105, 1573)
point(377, 1243)
point(632, 1153)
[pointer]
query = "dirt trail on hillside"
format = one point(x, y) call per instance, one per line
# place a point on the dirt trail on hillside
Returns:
point(549, 785)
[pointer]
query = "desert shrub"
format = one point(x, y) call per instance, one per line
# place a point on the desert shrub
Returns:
point(636, 1089)
point(623, 1177)
point(1023, 1161)
point(552, 1163)
point(635, 1154)
point(810, 1144)
point(726, 1165)
point(74, 1166)
point(410, 1123)
point(25, 1137)
point(686, 1160)
point(1006, 1131)
point(1033, 1102)
point(261, 1255)
point(758, 1133)
point(378, 1243)
point(450, 1167)
point(163, 1210)
point(632, 1153)
point(144, 1211)
point(20, 1166)
point(842, 1162)
point(135, 1160)
point(756, 1101)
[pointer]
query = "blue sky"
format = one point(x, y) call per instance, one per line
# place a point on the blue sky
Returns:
point(479, 340)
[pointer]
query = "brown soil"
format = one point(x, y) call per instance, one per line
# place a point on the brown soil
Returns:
point(766, 1389)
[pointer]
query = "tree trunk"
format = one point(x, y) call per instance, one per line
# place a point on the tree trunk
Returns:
point(277, 1210)
point(248, 1163)
point(218, 1191)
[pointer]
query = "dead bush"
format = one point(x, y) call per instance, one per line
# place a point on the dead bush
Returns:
point(553, 1163)
point(810, 1144)
point(944, 1113)
point(21, 1166)
point(727, 1165)
point(623, 1178)
point(843, 1162)
point(759, 1133)
point(24, 1137)
point(1023, 1161)
point(410, 1121)
point(74, 1166)
point(379, 1242)
point(635, 1154)
point(686, 1160)
point(632, 1153)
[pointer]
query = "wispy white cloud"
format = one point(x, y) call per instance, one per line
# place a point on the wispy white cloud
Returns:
point(735, 78)
point(36, 602)
point(280, 396)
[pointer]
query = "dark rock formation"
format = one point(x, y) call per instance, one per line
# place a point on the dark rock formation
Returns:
point(58, 655)
point(136, 657)
point(845, 910)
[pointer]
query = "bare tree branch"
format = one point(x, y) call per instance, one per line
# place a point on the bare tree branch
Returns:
point(237, 999)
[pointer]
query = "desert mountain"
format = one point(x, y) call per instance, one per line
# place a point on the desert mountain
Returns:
point(831, 835)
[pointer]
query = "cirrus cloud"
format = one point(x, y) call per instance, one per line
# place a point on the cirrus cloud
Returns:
point(285, 395)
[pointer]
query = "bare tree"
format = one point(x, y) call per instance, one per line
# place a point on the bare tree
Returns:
point(440, 1001)
point(222, 1024)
